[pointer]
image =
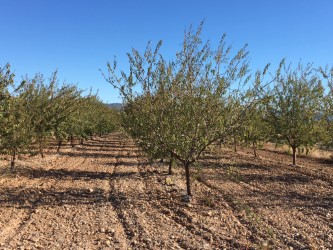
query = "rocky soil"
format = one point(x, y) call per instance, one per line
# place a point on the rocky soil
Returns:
point(105, 195)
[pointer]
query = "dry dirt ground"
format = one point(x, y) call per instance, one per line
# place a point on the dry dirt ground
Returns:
point(105, 195)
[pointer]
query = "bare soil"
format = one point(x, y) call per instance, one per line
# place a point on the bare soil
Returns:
point(105, 195)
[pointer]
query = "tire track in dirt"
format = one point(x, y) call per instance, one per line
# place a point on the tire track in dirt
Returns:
point(19, 226)
point(19, 217)
point(182, 218)
point(89, 225)
point(262, 231)
point(280, 161)
point(158, 204)
point(108, 225)
point(116, 200)
point(110, 198)
point(135, 219)
point(12, 221)
point(40, 197)
point(325, 181)
point(283, 170)
point(121, 201)
point(302, 169)
point(185, 219)
point(161, 211)
point(181, 214)
point(256, 237)
point(300, 235)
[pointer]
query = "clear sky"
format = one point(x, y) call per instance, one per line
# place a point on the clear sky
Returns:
point(78, 37)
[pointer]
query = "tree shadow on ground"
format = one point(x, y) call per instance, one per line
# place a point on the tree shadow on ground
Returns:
point(128, 164)
point(291, 189)
point(19, 197)
point(217, 170)
point(82, 152)
point(107, 145)
point(98, 154)
point(290, 199)
point(33, 197)
point(64, 174)
point(309, 158)
point(86, 154)
point(286, 178)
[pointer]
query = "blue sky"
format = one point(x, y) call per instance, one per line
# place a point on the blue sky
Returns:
point(78, 37)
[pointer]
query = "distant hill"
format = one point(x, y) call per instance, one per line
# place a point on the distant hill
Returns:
point(115, 105)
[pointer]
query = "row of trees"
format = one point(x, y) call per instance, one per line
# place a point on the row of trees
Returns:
point(177, 109)
point(296, 110)
point(39, 110)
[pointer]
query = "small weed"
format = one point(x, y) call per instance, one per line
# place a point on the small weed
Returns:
point(256, 220)
point(250, 214)
point(7, 173)
point(234, 174)
point(270, 232)
point(207, 198)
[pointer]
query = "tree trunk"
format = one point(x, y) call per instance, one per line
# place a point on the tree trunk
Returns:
point(41, 150)
point(72, 141)
point(235, 144)
point(254, 149)
point(307, 151)
point(12, 160)
point(170, 166)
point(59, 145)
point(294, 155)
point(247, 139)
point(188, 183)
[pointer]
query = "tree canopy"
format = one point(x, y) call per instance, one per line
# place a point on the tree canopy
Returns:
point(188, 103)
point(39, 110)
point(294, 105)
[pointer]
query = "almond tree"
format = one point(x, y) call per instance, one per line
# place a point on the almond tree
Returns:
point(294, 106)
point(67, 100)
point(47, 105)
point(181, 107)
point(15, 133)
point(256, 129)
point(86, 117)
point(37, 110)
point(106, 119)
point(327, 115)
point(6, 80)
point(37, 100)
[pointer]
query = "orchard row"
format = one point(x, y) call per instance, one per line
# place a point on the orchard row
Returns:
point(40, 110)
